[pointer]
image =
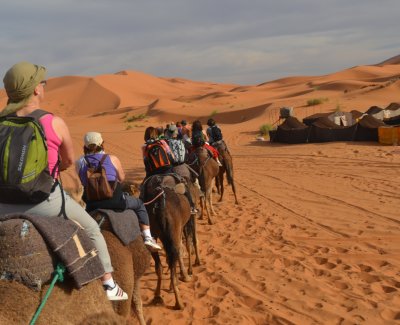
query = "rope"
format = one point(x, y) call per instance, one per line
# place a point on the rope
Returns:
point(151, 201)
point(58, 275)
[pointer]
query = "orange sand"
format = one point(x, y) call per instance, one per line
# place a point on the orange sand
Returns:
point(316, 238)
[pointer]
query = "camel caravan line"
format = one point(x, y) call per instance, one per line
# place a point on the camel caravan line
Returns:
point(50, 268)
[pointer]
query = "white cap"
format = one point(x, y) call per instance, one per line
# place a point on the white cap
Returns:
point(93, 138)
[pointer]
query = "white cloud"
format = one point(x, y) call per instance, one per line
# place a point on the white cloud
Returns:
point(224, 41)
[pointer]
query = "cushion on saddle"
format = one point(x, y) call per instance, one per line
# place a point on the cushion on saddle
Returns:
point(24, 255)
point(124, 224)
point(70, 245)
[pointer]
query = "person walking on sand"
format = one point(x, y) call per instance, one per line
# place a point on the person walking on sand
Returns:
point(25, 86)
point(94, 153)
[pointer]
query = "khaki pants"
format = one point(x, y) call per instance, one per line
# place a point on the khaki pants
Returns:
point(51, 207)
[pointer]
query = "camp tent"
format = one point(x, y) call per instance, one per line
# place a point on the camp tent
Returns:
point(291, 131)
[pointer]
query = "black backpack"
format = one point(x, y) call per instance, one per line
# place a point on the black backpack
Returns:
point(216, 133)
point(198, 139)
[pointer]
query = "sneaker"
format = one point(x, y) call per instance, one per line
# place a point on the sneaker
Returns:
point(115, 293)
point(193, 211)
point(151, 244)
point(219, 163)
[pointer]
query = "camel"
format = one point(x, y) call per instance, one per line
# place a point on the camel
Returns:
point(65, 304)
point(129, 263)
point(169, 212)
point(227, 167)
point(208, 169)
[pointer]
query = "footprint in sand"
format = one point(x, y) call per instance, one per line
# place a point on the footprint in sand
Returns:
point(321, 260)
point(365, 268)
point(390, 314)
point(369, 278)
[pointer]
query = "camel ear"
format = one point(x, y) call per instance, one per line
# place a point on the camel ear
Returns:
point(132, 189)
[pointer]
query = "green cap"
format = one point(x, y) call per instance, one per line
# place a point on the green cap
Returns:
point(20, 82)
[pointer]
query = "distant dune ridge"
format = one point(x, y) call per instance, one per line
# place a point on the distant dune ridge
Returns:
point(316, 239)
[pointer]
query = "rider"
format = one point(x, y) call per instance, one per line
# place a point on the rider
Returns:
point(93, 153)
point(165, 161)
point(199, 140)
point(25, 86)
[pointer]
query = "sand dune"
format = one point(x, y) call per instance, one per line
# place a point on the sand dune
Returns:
point(315, 239)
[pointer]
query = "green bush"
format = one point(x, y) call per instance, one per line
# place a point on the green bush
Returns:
point(213, 113)
point(135, 118)
point(316, 101)
point(265, 128)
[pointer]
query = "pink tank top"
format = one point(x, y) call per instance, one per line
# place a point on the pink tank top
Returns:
point(53, 142)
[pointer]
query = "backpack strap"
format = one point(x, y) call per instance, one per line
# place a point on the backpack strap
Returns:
point(38, 113)
point(102, 159)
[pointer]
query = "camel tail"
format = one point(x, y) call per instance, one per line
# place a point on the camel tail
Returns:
point(166, 235)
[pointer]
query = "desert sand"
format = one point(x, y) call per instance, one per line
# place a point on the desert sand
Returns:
point(316, 237)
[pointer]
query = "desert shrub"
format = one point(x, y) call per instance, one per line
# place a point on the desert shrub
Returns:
point(316, 101)
point(213, 113)
point(135, 118)
point(265, 128)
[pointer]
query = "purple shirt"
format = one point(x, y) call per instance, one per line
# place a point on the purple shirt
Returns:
point(94, 160)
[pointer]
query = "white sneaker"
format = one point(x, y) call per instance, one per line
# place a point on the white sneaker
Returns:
point(115, 293)
point(151, 244)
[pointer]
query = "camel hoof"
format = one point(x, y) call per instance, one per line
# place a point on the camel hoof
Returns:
point(157, 301)
point(210, 222)
point(178, 307)
point(196, 263)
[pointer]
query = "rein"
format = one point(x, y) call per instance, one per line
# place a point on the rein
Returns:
point(155, 198)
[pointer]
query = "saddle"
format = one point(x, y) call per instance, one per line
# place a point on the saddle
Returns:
point(155, 185)
point(31, 246)
point(124, 224)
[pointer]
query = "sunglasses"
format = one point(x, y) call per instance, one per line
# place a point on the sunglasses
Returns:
point(43, 83)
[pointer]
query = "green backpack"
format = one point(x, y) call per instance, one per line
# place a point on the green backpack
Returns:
point(24, 171)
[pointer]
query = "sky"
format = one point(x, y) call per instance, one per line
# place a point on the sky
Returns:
point(224, 41)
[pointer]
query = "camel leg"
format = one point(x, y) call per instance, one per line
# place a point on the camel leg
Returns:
point(202, 205)
point(189, 249)
point(157, 300)
point(184, 275)
point(221, 184)
point(234, 192)
point(194, 239)
point(208, 205)
point(178, 300)
point(211, 205)
point(137, 302)
point(218, 184)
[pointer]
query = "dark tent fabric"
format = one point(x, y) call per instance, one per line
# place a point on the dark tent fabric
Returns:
point(393, 106)
point(325, 122)
point(373, 110)
point(367, 129)
point(292, 123)
point(341, 118)
point(291, 131)
point(395, 120)
point(325, 130)
point(309, 120)
point(356, 114)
